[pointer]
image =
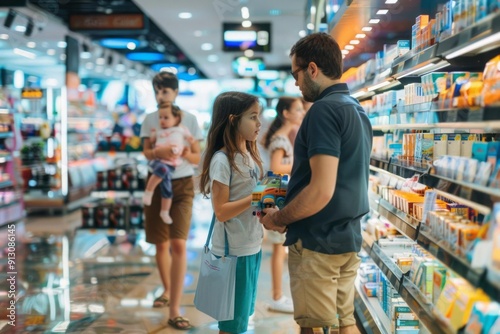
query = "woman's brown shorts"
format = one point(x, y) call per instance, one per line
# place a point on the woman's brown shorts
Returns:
point(182, 206)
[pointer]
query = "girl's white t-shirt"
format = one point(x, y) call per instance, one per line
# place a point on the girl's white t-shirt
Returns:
point(244, 231)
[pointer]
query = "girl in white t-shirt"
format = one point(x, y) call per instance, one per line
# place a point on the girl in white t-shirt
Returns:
point(231, 169)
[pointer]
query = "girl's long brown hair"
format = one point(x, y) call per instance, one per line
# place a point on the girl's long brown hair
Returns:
point(223, 132)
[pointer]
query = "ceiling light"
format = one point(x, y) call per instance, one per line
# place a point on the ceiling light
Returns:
point(131, 45)
point(310, 26)
point(118, 43)
point(198, 33)
point(349, 47)
point(61, 44)
point(366, 29)
point(213, 58)
point(24, 53)
point(302, 33)
point(100, 61)
point(31, 45)
point(51, 52)
point(360, 35)
point(246, 24)
point(248, 53)
point(146, 56)
point(382, 11)
point(185, 15)
point(207, 46)
point(245, 13)
point(4, 36)
point(391, 1)
point(354, 42)
point(374, 21)
point(20, 28)
point(345, 52)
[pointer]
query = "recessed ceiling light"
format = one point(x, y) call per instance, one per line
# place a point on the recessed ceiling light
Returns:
point(349, 47)
point(310, 26)
point(118, 43)
point(302, 33)
point(4, 36)
point(245, 13)
point(391, 1)
point(185, 15)
point(367, 28)
point(360, 35)
point(345, 52)
point(61, 44)
point(382, 11)
point(20, 28)
point(31, 45)
point(191, 71)
point(131, 45)
point(374, 21)
point(213, 58)
point(207, 46)
point(198, 33)
point(51, 52)
point(354, 42)
point(248, 53)
point(246, 24)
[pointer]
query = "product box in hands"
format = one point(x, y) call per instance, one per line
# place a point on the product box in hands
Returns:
point(269, 192)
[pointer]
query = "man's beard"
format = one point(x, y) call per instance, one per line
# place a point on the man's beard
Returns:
point(311, 89)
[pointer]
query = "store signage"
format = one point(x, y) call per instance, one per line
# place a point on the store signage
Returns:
point(106, 22)
point(31, 93)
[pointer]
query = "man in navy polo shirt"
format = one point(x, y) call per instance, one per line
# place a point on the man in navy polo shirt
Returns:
point(328, 190)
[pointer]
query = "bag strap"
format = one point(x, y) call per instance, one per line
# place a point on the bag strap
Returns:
point(212, 224)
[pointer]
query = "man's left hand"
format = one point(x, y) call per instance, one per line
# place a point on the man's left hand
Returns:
point(268, 220)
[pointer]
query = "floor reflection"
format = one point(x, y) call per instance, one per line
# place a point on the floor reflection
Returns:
point(104, 281)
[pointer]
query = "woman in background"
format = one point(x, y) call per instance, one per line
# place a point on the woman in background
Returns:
point(290, 112)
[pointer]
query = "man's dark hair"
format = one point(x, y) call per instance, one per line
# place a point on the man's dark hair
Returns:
point(165, 80)
point(321, 49)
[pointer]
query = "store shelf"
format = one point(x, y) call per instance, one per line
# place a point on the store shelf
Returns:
point(482, 189)
point(426, 312)
point(404, 223)
point(371, 314)
point(444, 254)
point(486, 126)
point(387, 266)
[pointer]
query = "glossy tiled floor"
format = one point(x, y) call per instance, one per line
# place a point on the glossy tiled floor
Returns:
point(82, 281)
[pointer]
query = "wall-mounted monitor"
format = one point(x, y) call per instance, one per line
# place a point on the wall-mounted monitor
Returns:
point(235, 37)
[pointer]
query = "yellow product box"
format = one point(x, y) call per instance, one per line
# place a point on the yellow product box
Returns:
point(439, 281)
point(404, 263)
point(466, 236)
point(449, 295)
point(462, 307)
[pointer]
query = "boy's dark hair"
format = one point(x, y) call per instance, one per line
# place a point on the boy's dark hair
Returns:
point(321, 49)
point(165, 80)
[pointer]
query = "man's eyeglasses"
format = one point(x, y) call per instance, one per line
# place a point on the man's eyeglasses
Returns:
point(295, 74)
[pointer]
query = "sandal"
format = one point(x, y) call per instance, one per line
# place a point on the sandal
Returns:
point(161, 301)
point(175, 322)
